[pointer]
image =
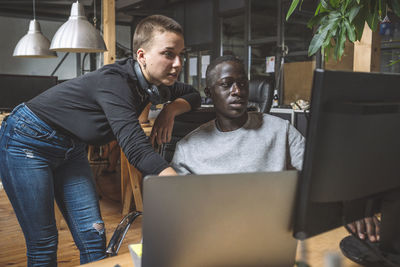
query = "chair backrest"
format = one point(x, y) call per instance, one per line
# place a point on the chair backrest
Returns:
point(261, 94)
point(183, 125)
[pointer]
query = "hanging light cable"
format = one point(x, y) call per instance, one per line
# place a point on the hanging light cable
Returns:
point(34, 43)
point(77, 34)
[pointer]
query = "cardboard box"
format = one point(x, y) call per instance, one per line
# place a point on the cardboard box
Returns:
point(297, 81)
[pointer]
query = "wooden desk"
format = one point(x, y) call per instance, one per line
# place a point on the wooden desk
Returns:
point(123, 260)
point(131, 180)
point(316, 249)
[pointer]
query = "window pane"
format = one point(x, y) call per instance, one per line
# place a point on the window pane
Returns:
point(227, 5)
point(233, 36)
point(263, 22)
point(390, 44)
point(193, 80)
point(259, 54)
point(297, 34)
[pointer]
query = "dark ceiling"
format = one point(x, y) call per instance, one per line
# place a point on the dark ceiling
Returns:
point(59, 10)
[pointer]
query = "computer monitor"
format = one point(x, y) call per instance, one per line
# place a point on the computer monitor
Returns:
point(352, 151)
point(15, 89)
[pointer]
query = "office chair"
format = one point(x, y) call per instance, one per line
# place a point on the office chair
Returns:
point(261, 93)
point(120, 232)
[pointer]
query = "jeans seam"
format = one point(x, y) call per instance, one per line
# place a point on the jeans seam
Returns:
point(78, 232)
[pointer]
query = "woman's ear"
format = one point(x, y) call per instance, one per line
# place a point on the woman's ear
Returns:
point(140, 56)
point(207, 92)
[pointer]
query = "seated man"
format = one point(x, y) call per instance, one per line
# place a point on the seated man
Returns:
point(238, 140)
point(242, 141)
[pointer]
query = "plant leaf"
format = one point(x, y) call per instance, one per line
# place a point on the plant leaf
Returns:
point(344, 6)
point(334, 14)
point(292, 8)
point(326, 5)
point(394, 62)
point(316, 20)
point(318, 9)
point(320, 37)
point(317, 42)
point(341, 41)
point(335, 3)
point(350, 31)
point(359, 22)
point(353, 12)
point(373, 16)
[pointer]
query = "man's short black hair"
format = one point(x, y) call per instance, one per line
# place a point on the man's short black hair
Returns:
point(216, 62)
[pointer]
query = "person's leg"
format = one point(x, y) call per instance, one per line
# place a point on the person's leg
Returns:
point(27, 178)
point(77, 198)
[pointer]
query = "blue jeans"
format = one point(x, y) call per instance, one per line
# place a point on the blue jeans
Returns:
point(38, 165)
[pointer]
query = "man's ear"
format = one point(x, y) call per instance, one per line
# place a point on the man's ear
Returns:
point(207, 92)
point(140, 56)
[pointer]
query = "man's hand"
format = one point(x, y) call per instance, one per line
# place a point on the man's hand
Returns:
point(163, 125)
point(367, 227)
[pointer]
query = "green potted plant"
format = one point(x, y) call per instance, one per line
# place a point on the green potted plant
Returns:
point(336, 21)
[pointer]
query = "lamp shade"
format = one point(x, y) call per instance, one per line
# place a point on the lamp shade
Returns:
point(34, 43)
point(77, 34)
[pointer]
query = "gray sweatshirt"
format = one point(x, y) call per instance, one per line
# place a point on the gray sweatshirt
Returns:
point(264, 143)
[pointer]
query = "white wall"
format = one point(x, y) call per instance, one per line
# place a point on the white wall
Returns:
point(13, 29)
point(123, 35)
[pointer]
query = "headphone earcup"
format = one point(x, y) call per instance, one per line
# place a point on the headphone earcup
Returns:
point(151, 90)
point(154, 95)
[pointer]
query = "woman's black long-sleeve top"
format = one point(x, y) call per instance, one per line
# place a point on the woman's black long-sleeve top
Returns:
point(104, 105)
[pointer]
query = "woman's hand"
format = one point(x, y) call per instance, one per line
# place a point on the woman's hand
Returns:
point(163, 125)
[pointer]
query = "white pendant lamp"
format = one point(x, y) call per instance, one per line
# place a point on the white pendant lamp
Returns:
point(34, 43)
point(77, 34)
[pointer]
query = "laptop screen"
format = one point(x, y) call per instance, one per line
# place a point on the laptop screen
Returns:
point(219, 220)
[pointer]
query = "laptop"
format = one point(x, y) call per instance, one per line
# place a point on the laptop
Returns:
point(219, 220)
